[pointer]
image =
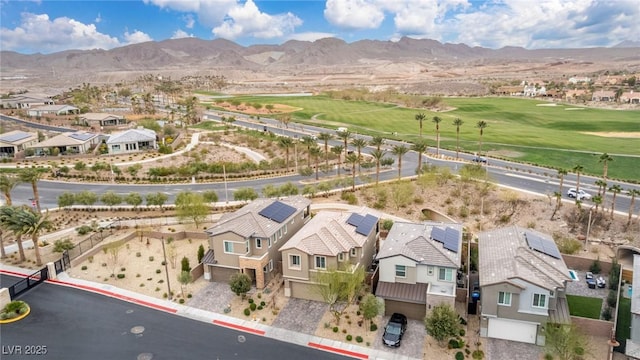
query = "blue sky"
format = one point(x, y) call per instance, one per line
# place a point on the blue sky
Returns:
point(47, 26)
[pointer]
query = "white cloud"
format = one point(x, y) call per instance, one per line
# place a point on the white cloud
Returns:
point(179, 34)
point(210, 12)
point(98, 19)
point(248, 20)
point(310, 36)
point(38, 33)
point(189, 21)
point(136, 36)
point(354, 14)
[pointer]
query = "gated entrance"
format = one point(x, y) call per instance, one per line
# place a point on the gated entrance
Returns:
point(63, 263)
point(28, 282)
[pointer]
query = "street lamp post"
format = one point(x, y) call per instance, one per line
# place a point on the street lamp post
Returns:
point(166, 268)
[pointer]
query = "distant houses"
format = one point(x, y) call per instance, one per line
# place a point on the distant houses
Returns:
point(15, 142)
point(132, 140)
point(78, 142)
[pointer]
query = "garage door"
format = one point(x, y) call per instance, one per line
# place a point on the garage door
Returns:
point(410, 310)
point(512, 330)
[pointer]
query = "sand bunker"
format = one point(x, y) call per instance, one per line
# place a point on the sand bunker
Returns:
point(626, 135)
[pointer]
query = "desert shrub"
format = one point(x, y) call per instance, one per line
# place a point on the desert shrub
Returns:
point(455, 344)
point(84, 229)
point(84, 267)
point(595, 266)
point(138, 254)
point(349, 197)
point(459, 355)
point(260, 307)
point(120, 276)
point(479, 354)
point(250, 301)
point(373, 327)
point(181, 301)
point(612, 298)
point(62, 245)
point(253, 306)
point(349, 337)
point(262, 303)
point(359, 339)
point(606, 313)
point(335, 329)
point(151, 258)
point(462, 332)
point(387, 224)
point(247, 312)
point(158, 271)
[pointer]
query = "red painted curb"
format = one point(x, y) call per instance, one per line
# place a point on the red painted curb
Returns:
point(239, 327)
point(117, 296)
point(338, 351)
point(13, 273)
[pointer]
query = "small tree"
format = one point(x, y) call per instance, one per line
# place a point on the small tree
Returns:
point(200, 253)
point(370, 307)
point(240, 284)
point(185, 264)
point(172, 253)
point(245, 194)
point(66, 199)
point(565, 341)
point(134, 199)
point(184, 278)
point(442, 323)
point(191, 206)
point(111, 198)
point(595, 266)
point(113, 253)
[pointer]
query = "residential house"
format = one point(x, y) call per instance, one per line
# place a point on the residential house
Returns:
point(132, 140)
point(14, 142)
point(100, 120)
point(630, 97)
point(509, 90)
point(331, 240)
point(38, 111)
point(632, 350)
point(572, 95)
point(603, 95)
point(26, 101)
point(418, 265)
point(67, 143)
point(248, 239)
point(579, 79)
point(522, 283)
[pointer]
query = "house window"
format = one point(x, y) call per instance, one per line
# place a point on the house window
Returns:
point(321, 262)
point(269, 241)
point(258, 243)
point(445, 274)
point(246, 247)
point(341, 257)
point(269, 267)
point(279, 234)
point(401, 271)
point(430, 270)
point(540, 300)
point(228, 247)
point(294, 261)
point(353, 252)
point(284, 229)
point(504, 298)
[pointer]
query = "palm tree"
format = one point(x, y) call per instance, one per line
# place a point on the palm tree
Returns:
point(352, 159)
point(338, 151)
point(7, 222)
point(326, 137)
point(578, 169)
point(457, 122)
point(481, 125)
point(286, 143)
point(605, 159)
point(345, 136)
point(32, 176)
point(597, 200)
point(309, 141)
point(437, 120)
point(316, 152)
point(561, 174)
point(399, 150)
point(601, 184)
point(420, 146)
point(359, 143)
point(558, 196)
point(420, 118)
point(632, 193)
point(378, 155)
point(377, 141)
point(7, 183)
point(615, 189)
point(31, 224)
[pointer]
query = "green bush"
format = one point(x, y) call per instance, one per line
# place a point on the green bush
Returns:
point(359, 339)
point(250, 301)
point(459, 355)
point(612, 298)
point(62, 245)
point(120, 276)
point(456, 344)
point(260, 307)
point(262, 303)
point(253, 306)
point(373, 327)
point(84, 267)
point(462, 332)
point(84, 229)
point(335, 329)
point(595, 266)
point(247, 312)
point(158, 271)
point(151, 258)
point(181, 301)
point(349, 337)
point(606, 314)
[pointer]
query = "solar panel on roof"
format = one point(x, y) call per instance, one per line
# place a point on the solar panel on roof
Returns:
point(542, 245)
point(14, 137)
point(366, 225)
point(81, 136)
point(438, 234)
point(451, 239)
point(355, 219)
point(277, 211)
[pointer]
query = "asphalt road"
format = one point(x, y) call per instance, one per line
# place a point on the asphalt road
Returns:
point(79, 325)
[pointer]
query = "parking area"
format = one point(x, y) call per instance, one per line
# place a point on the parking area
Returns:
point(412, 340)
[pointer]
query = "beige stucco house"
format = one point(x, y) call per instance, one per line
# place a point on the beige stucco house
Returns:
point(99, 120)
point(79, 142)
point(132, 140)
point(332, 240)
point(522, 281)
point(418, 265)
point(14, 142)
point(248, 239)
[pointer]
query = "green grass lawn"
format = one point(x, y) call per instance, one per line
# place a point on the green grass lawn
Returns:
point(583, 306)
point(623, 327)
point(520, 129)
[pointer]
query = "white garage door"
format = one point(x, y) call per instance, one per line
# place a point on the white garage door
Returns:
point(512, 330)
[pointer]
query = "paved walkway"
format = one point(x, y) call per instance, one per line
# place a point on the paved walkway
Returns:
point(290, 336)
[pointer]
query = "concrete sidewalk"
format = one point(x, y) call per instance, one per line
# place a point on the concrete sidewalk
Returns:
point(338, 347)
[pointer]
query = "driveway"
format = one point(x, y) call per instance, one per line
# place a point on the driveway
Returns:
point(505, 349)
point(213, 297)
point(412, 343)
point(301, 315)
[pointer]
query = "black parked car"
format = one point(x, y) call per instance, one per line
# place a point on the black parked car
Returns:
point(394, 330)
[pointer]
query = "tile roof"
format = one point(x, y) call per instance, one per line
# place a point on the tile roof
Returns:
point(413, 240)
point(247, 222)
point(54, 108)
point(99, 116)
point(132, 135)
point(328, 233)
point(66, 139)
point(505, 255)
point(17, 137)
point(413, 293)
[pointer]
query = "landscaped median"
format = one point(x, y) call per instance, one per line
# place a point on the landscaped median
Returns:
point(14, 311)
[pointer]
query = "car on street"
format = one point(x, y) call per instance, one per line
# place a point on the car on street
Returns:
point(580, 194)
point(396, 326)
point(479, 159)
